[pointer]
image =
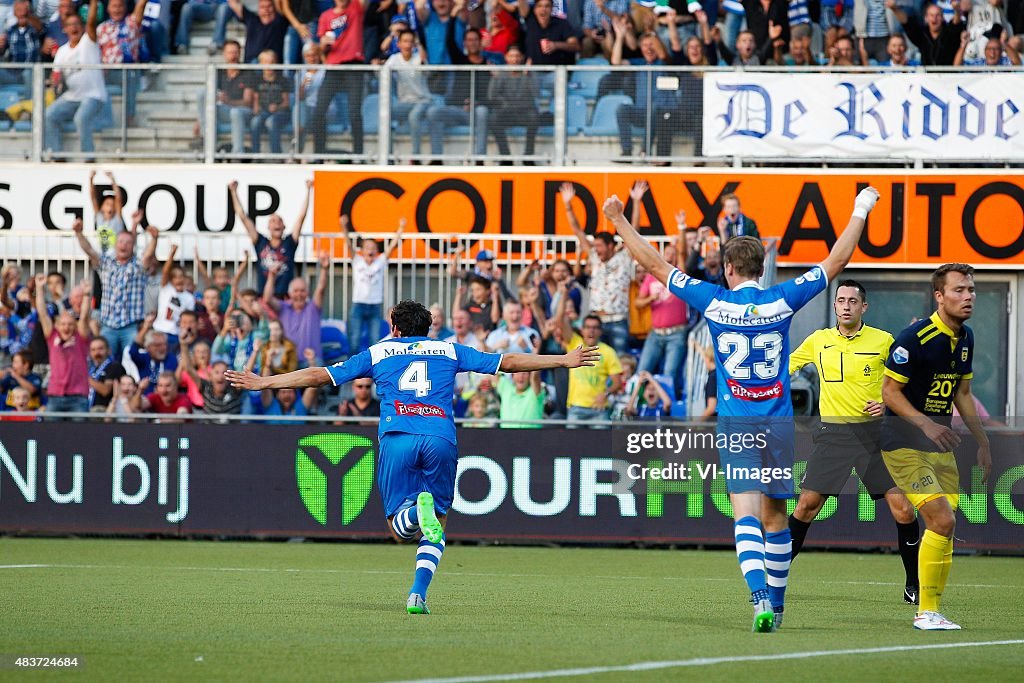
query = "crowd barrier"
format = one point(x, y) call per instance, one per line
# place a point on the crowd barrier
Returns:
point(317, 480)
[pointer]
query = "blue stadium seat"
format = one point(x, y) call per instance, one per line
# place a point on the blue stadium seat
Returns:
point(371, 114)
point(5, 126)
point(575, 114)
point(385, 330)
point(23, 126)
point(597, 60)
point(678, 409)
point(334, 341)
point(603, 121)
point(9, 97)
point(585, 83)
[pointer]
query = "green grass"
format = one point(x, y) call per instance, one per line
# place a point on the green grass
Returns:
point(149, 610)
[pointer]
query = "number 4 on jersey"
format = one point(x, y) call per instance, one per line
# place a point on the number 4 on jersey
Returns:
point(415, 379)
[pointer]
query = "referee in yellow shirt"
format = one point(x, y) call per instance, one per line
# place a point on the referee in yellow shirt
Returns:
point(850, 358)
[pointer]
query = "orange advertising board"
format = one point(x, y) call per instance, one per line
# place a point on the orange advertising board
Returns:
point(923, 218)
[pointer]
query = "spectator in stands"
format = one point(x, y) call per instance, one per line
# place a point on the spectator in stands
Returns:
point(299, 316)
point(389, 46)
point(21, 402)
point(897, 52)
point(203, 11)
point(937, 40)
point(54, 29)
point(341, 36)
point(597, 16)
point(68, 343)
point(278, 355)
point(986, 19)
point(611, 271)
point(434, 18)
point(414, 97)
point(218, 397)
point(503, 29)
point(462, 325)
point(998, 52)
point(303, 17)
point(20, 43)
point(233, 100)
point(221, 16)
point(484, 268)
point(589, 390)
point(150, 352)
point(766, 21)
point(477, 414)
point(438, 330)
point(369, 270)
point(309, 78)
point(841, 53)
point(654, 109)
point(665, 347)
point(560, 271)
point(209, 318)
point(271, 106)
point(285, 403)
point(165, 400)
point(699, 50)
point(549, 39)
point(746, 51)
point(484, 303)
point(704, 261)
point(124, 280)
point(236, 342)
point(277, 251)
point(465, 99)
point(362, 403)
point(732, 222)
point(522, 399)
point(118, 38)
point(512, 97)
point(173, 300)
point(20, 375)
point(264, 29)
point(512, 336)
point(873, 23)
point(221, 282)
point(799, 51)
point(107, 210)
point(654, 403)
point(126, 397)
point(84, 92)
point(104, 372)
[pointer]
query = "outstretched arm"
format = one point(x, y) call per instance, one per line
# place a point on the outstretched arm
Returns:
point(568, 192)
point(842, 251)
point(300, 379)
point(390, 245)
point(165, 276)
point(236, 204)
point(45, 321)
point(641, 250)
point(297, 228)
point(149, 256)
point(90, 21)
point(321, 280)
point(92, 192)
point(94, 257)
point(528, 362)
point(85, 310)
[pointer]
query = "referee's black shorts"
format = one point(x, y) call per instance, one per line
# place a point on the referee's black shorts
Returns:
point(839, 448)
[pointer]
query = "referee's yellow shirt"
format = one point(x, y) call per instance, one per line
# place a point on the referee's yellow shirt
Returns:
point(850, 369)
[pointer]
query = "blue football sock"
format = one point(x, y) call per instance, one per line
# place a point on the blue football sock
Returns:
point(750, 551)
point(778, 555)
point(428, 555)
point(405, 523)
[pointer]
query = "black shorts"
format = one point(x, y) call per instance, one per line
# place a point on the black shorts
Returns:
point(839, 448)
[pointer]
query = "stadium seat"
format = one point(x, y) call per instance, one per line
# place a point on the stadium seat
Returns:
point(5, 126)
point(575, 114)
point(385, 329)
point(9, 97)
point(333, 341)
point(584, 83)
point(371, 114)
point(603, 121)
point(597, 60)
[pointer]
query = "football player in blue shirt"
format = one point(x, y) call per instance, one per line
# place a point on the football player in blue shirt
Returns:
point(750, 334)
point(415, 378)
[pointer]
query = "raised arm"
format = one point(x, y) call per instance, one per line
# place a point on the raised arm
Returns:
point(94, 257)
point(562, 320)
point(140, 11)
point(568, 191)
point(523, 7)
point(422, 11)
point(842, 251)
point(236, 205)
point(343, 223)
point(237, 7)
point(92, 192)
point(204, 274)
point(321, 280)
point(45, 321)
point(390, 245)
point(85, 310)
point(186, 360)
point(236, 279)
point(641, 250)
point(149, 256)
point(528, 362)
point(90, 21)
point(165, 276)
point(300, 379)
point(268, 289)
point(118, 202)
point(636, 193)
point(297, 228)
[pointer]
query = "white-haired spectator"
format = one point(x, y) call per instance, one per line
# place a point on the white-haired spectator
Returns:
point(438, 328)
point(998, 52)
point(512, 336)
point(300, 317)
point(149, 352)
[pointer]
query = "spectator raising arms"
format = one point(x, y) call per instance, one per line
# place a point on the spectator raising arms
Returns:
point(68, 342)
point(264, 29)
point(107, 210)
point(173, 301)
point(937, 40)
point(278, 250)
point(369, 268)
point(150, 353)
point(299, 316)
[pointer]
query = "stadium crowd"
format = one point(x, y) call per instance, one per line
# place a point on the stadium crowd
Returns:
point(404, 35)
point(140, 336)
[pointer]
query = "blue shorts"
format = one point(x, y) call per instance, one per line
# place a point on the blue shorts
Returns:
point(412, 463)
point(757, 455)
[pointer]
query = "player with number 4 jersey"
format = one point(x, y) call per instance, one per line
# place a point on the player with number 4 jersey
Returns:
point(750, 335)
point(418, 460)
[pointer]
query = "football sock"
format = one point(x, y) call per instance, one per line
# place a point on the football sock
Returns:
point(930, 562)
point(947, 564)
point(909, 535)
point(778, 550)
point(750, 551)
point(428, 555)
point(798, 532)
point(405, 523)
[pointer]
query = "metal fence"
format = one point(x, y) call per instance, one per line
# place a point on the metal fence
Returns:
point(586, 114)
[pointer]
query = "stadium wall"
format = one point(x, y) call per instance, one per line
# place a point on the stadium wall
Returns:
point(549, 485)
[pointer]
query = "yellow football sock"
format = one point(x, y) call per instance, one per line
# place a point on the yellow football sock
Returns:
point(933, 564)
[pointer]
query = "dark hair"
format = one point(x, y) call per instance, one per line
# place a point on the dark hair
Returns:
point(478, 280)
point(605, 237)
point(63, 280)
point(845, 37)
point(411, 33)
point(366, 240)
point(249, 292)
point(746, 254)
point(411, 318)
point(856, 285)
point(471, 30)
point(101, 338)
point(514, 46)
point(211, 287)
point(232, 42)
point(939, 276)
point(593, 317)
point(25, 356)
point(191, 314)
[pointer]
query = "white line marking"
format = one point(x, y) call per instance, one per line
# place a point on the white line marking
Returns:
point(480, 574)
point(702, 661)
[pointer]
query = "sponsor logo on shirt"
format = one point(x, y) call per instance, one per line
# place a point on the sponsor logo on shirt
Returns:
point(767, 393)
point(751, 311)
point(900, 355)
point(420, 409)
point(809, 276)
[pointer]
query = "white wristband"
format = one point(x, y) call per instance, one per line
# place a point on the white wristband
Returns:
point(861, 213)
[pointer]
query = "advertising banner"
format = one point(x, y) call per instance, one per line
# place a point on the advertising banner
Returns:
point(925, 218)
point(318, 481)
point(880, 116)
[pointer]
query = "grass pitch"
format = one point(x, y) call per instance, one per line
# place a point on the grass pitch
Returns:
point(186, 610)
